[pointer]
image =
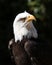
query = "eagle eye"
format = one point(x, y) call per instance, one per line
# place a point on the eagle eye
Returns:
point(22, 19)
point(28, 16)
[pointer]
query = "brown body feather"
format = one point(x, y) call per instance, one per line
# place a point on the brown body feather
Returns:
point(24, 52)
point(19, 54)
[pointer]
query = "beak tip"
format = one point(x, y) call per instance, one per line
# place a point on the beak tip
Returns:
point(31, 17)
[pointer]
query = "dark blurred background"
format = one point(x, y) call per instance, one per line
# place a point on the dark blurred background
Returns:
point(42, 9)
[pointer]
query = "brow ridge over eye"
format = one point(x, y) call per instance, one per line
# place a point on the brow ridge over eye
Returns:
point(22, 19)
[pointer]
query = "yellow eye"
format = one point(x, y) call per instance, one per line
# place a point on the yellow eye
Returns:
point(28, 16)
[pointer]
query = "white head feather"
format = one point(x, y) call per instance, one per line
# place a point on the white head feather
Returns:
point(21, 29)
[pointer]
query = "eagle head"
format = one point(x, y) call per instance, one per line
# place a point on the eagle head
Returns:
point(23, 26)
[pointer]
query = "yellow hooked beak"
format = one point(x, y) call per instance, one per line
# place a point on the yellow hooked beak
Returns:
point(30, 18)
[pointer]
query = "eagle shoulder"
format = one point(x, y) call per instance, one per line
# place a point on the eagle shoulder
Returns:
point(19, 54)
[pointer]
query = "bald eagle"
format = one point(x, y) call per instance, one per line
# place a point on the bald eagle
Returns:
point(23, 45)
